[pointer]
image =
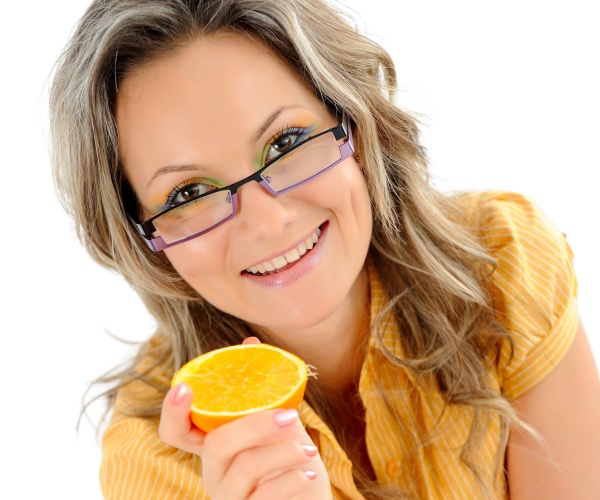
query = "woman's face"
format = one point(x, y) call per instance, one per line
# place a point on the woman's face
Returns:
point(206, 115)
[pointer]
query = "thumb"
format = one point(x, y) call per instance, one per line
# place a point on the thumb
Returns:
point(175, 427)
point(251, 340)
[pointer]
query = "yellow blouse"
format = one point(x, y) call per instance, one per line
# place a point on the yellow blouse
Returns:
point(534, 292)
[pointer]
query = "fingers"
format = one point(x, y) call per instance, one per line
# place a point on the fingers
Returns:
point(287, 485)
point(176, 428)
point(239, 454)
point(225, 442)
point(258, 465)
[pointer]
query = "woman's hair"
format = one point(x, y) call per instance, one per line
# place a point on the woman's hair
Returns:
point(432, 268)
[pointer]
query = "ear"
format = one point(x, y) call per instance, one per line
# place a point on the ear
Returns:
point(358, 157)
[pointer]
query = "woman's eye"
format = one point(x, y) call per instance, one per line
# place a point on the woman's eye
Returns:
point(189, 192)
point(283, 143)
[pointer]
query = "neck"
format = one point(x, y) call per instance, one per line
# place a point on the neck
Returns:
point(336, 346)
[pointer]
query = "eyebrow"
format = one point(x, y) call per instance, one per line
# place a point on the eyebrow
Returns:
point(171, 169)
point(269, 121)
point(194, 168)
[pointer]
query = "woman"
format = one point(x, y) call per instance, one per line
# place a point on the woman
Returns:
point(243, 165)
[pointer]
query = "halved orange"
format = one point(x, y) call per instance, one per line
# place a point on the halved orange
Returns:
point(234, 381)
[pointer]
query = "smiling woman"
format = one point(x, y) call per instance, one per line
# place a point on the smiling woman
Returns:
point(244, 166)
point(218, 133)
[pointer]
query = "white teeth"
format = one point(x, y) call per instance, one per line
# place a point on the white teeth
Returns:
point(279, 262)
point(291, 256)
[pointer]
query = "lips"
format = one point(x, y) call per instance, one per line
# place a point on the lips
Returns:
point(282, 262)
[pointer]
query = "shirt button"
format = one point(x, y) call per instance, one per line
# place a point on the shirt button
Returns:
point(393, 468)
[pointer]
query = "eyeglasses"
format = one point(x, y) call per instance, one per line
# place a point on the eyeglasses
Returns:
point(302, 163)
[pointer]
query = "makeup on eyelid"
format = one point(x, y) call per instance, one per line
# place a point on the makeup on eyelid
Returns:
point(160, 202)
point(304, 131)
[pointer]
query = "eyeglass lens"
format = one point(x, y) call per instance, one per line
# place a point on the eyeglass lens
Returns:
point(294, 168)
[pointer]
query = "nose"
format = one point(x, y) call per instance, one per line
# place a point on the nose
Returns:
point(262, 215)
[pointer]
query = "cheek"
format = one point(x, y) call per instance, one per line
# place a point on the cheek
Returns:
point(203, 268)
point(201, 272)
point(360, 198)
point(355, 214)
point(179, 256)
point(352, 195)
point(196, 258)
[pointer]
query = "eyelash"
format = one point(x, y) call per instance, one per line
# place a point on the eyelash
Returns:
point(287, 130)
point(178, 188)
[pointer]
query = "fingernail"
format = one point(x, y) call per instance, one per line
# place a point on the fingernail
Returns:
point(285, 417)
point(310, 450)
point(310, 474)
point(178, 393)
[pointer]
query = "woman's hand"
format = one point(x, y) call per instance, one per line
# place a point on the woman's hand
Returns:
point(263, 455)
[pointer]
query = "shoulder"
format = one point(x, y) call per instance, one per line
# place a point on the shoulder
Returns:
point(527, 246)
point(142, 387)
point(502, 218)
point(136, 463)
point(533, 286)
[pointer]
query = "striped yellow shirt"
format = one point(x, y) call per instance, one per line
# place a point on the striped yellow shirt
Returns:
point(534, 290)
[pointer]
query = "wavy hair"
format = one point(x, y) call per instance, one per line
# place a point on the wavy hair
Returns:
point(434, 270)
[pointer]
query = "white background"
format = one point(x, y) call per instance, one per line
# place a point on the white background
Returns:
point(509, 92)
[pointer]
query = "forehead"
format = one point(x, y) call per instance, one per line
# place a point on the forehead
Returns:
point(194, 94)
point(224, 77)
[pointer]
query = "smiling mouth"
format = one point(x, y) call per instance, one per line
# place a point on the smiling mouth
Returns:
point(284, 261)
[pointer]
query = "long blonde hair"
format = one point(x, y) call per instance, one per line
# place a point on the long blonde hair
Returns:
point(433, 269)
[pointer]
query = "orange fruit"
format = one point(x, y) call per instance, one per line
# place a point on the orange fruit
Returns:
point(234, 381)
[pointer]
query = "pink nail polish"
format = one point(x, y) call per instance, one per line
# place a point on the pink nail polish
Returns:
point(285, 417)
point(177, 394)
point(310, 474)
point(310, 450)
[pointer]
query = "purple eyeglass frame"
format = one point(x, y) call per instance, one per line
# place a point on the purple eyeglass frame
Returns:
point(340, 131)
